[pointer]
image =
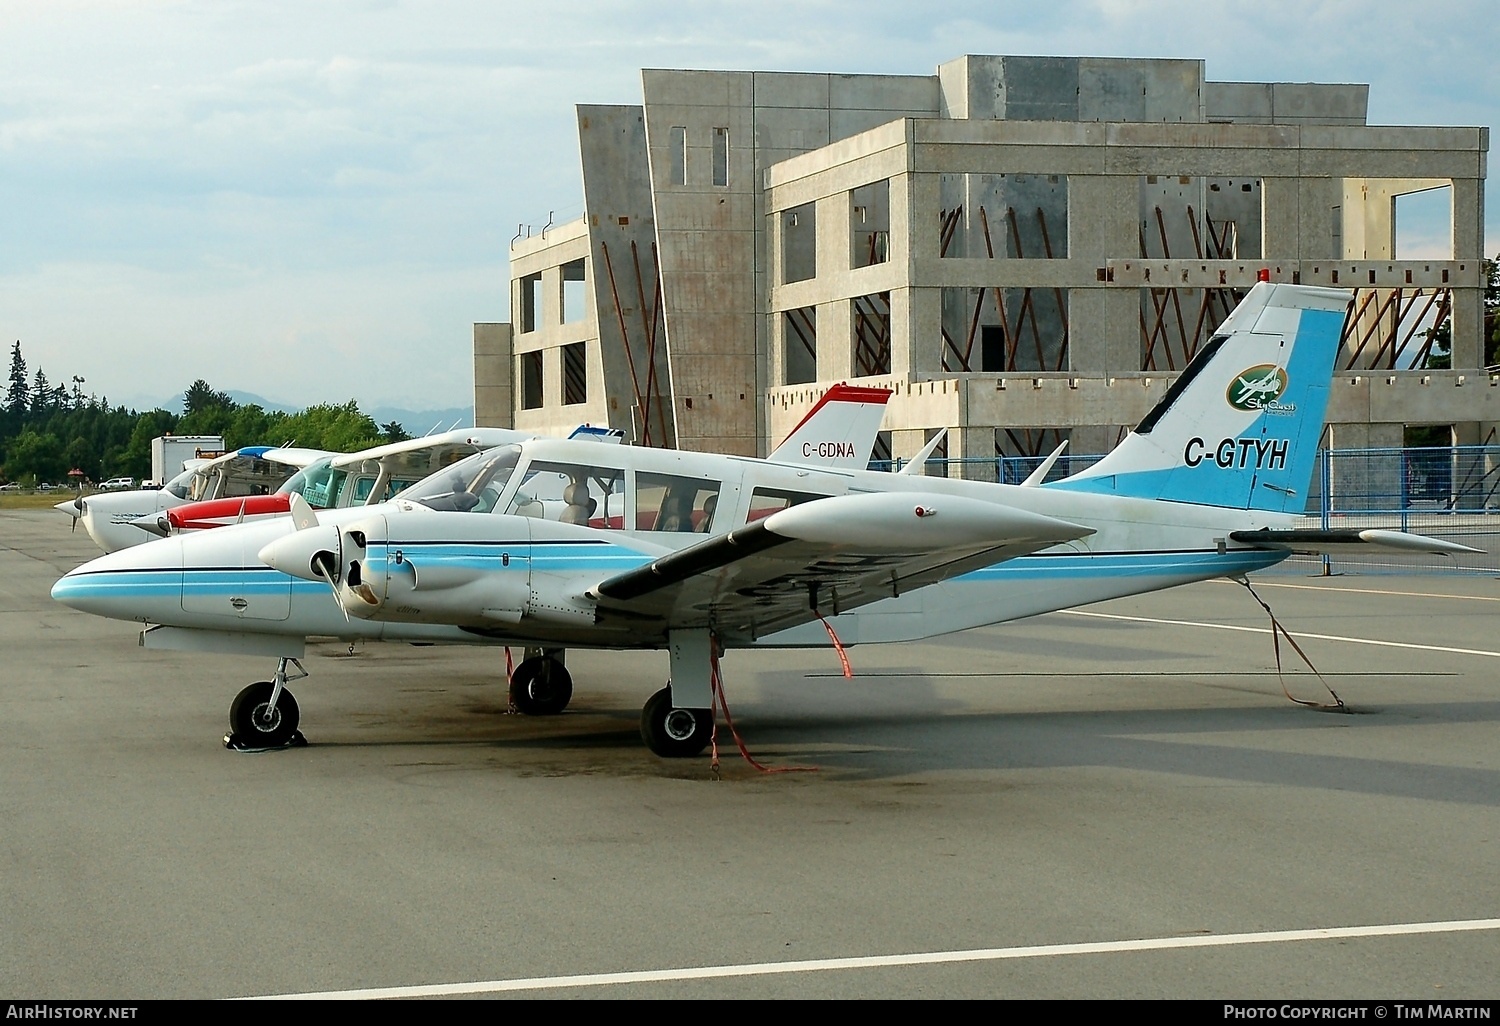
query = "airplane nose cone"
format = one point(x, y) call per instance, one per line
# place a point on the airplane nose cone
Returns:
point(72, 507)
point(126, 585)
point(297, 553)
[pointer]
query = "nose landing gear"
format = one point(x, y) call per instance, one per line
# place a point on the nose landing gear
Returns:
point(265, 715)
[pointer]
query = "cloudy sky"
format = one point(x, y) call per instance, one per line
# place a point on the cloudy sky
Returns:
point(314, 200)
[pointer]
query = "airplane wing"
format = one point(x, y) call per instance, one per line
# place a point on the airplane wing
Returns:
point(438, 449)
point(293, 456)
point(823, 558)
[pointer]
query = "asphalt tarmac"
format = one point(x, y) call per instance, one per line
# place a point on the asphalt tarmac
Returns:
point(1117, 802)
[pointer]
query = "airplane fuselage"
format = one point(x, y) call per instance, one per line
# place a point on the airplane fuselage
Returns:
point(528, 576)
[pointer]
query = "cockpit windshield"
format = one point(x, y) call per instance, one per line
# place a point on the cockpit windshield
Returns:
point(318, 482)
point(182, 485)
point(470, 485)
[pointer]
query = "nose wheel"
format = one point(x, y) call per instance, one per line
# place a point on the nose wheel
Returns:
point(265, 715)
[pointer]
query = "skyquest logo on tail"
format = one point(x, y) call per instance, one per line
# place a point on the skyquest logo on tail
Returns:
point(1258, 388)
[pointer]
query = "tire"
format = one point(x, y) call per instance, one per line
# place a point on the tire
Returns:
point(247, 722)
point(541, 686)
point(675, 733)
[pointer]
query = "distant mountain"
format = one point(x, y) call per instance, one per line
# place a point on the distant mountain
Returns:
point(420, 422)
point(416, 422)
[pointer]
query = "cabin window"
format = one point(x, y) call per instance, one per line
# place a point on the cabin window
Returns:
point(664, 502)
point(572, 493)
point(471, 484)
point(765, 501)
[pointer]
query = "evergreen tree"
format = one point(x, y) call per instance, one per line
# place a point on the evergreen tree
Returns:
point(41, 393)
point(200, 398)
point(18, 397)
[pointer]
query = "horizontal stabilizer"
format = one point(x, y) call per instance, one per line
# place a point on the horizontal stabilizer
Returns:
point(1314, 542)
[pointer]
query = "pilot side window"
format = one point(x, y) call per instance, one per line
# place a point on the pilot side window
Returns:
point(765, 501)
point(572, 493)
point(664, 502)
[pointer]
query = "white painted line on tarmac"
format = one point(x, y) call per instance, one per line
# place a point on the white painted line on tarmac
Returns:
point(719, 972)
point(1295, 634)
point(1368, 591)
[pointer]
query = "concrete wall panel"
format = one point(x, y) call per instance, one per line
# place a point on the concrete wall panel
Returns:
point(884, 92)
point(787, 89)
point(1241, 102)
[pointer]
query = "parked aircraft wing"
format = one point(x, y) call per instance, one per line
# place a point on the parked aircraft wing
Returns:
point(823, 558)
point(440, 448)
point(1314, 542)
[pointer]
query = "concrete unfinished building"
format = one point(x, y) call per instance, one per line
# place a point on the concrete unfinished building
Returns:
point(1024, 248)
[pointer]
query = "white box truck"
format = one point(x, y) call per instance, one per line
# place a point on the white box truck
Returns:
point(170, 452)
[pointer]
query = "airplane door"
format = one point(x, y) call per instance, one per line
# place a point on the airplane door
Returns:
point(227, 580)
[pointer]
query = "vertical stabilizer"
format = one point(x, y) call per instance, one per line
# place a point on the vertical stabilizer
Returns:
point(1239, 428)
point(839, 432)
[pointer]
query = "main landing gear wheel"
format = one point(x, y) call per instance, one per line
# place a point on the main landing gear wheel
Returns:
point(675, 733)
point(254, 724)
point(541, 686)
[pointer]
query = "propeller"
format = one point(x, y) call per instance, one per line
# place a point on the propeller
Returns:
point(323, 552)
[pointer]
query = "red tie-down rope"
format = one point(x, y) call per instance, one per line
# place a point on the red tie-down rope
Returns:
point(1277, 632)
point(716, 683)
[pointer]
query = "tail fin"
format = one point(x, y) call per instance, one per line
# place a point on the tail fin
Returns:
point(1239, 428)
point(839, 432)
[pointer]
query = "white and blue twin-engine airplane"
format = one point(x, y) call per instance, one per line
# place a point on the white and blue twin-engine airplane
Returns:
point(695, 553)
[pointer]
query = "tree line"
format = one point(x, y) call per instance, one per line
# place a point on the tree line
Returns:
point(48, 430)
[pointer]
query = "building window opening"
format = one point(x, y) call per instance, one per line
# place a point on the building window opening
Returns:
point(799, 243)
point(575, 373)
point(880, 453)
point(1003, 217)
point(998, 330)
point(871, 326)
point(870, 224)
point(1423, 228)
point(721, 156)
point(677, 145)
point(574, 291)
point(800, 346)
point(531, 302)
point(531, 380)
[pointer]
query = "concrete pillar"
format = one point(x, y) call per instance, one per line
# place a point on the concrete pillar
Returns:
point(972, 443)
point(906, 337)
point(1103, 323)
point(835, 341)
point(925, 314)
point(494, 404)
point(1468, 245)
point(1278, 218)
point(1104, 331)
